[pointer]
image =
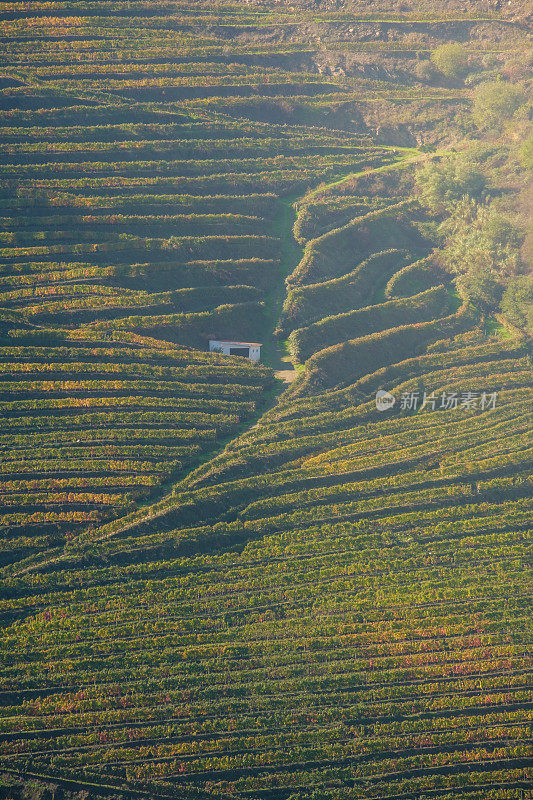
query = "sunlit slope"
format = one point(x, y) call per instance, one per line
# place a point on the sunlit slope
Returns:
point(336, 603)
point(126, 214)
point(91, 425)
point(328, 602)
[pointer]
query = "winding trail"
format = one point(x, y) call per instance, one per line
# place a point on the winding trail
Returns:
point(274, 350)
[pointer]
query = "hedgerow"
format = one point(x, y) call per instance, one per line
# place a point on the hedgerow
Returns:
point(333, 253)
point(305, 304)
point(303, 342)
point(345, 362)
point(413, 278)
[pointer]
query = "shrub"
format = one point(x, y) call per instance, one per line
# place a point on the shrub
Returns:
point(517, 301)
point(495, 102)
point(526, 152)
point(442, 184)
point(479, 284)
point(482, 247)
point(451, 59)
point(424, 71)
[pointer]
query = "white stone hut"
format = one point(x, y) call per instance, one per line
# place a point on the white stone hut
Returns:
point(251, 350)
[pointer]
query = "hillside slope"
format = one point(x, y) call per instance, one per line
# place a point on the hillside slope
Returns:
point(215, 587)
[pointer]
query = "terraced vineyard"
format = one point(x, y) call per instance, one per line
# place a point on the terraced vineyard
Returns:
point(214, 585)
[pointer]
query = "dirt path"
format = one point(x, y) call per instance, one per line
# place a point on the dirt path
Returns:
point(286, 375)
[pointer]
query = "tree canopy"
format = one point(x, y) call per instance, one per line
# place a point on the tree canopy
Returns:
point(442, 184)
point(495, 102)
point(451, 59)
point(481, 246)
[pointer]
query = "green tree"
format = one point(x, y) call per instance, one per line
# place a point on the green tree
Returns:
point(481, 246)
point(495, 102)
point(425, 71)
point(480, 231)
point(451, 59)
point(480, 285)
point(442, 184)
point(526, 152)
point(517, 302)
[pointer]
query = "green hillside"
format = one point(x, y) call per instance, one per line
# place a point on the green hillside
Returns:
point(222, 580)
